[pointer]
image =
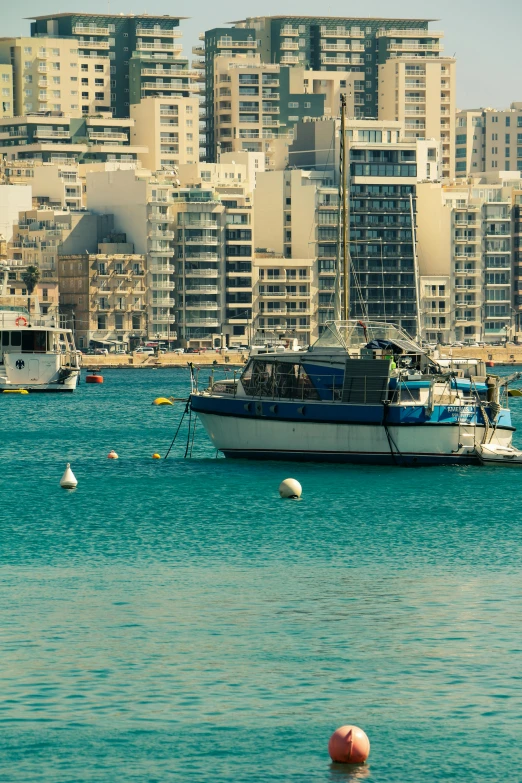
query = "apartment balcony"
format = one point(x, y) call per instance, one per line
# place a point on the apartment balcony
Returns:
point(166, 72)
point(415, 112)
point(289, 45)
point(84, 56)
point(192, 288)
point(337, 47)
point(467, 240)
point(158, 46)
point(416, 84)
point(154, 234)
point(289, 31)
point(270, 110)
point(225, 43)
point(414, 47)
point(106, 136)
point(92, 44)
point(341, 32)
point(270, 124)
point(273, 96)
point(415, 126)
point(165, 318)
point(52, 134)
point(409, 33)
point(81, 29)
point(161, 253)
point(19, 133)
point(272, 294)
point(173, 84)
point(201, 306)
point(205, 241)
point(158, 32)
point(201, 273)
point(42, 68)
point(193, 320)
point(270, 83)
point(338, 60)
point(198, 224)
point(289, 59)
point(198, 64)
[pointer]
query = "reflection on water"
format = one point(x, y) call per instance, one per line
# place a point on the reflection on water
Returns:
point(175, 620)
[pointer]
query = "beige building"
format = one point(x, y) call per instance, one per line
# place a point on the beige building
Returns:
point(195, 227)
point(60, 138)
point(168, 128)
point(488, 140)
point(420, 93)
point(54, 185)
point(104, 296)
point(42, 234)
point(49, 75)
point(13, 291)
point(470, 228)
point(6, 90)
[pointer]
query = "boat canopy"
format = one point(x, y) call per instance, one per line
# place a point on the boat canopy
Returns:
point(349, 335)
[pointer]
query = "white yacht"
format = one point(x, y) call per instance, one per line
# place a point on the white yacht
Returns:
point(35, 353)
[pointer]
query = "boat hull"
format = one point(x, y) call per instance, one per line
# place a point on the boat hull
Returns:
point(409, 444)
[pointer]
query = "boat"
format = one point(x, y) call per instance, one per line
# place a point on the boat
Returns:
point(35, 354)
point(493, 454)
point(365, 392)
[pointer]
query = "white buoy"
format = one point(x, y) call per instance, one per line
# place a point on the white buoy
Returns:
point(290, 488)
point(68, 480)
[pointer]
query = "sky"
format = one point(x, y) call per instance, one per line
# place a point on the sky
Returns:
point(484, 35)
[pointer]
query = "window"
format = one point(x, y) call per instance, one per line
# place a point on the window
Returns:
point(102, 321)
point(508, 138)
point(118, 321)
point(508, 122)
point(28, 50)
point(494, 137)
point(99, 96)
point(293, 105)
point(85, 67)
point(99, 68)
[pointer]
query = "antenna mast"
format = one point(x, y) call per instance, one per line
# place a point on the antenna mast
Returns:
point(345, 228)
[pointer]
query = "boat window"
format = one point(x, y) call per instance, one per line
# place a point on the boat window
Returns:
point(5, 338)
point(16, 338)
point(282, 380)
point(33, 341)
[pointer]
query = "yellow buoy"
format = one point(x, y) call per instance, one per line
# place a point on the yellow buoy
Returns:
point(156, 456)
point(162, 401)
point(15, 391)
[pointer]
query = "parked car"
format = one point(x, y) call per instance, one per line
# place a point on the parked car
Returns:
point(178, 350)
point(144, 349)
point(194, 350)
point(101, 351)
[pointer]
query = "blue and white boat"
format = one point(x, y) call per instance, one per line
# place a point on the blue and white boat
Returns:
point(363, 393)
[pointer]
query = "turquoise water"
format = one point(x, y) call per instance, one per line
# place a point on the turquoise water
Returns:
point(175, 620)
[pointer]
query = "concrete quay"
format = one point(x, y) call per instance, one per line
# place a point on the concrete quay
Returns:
point(163, 361)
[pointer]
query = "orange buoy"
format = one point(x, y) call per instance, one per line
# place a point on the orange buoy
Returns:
point(490, 364)
point(349, 745)
point(112, 455)
point(95, 377)
point(156, 456)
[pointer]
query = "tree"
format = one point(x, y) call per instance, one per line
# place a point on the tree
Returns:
point(30, 277)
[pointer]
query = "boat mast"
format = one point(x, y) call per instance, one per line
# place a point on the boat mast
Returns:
point(344, 213)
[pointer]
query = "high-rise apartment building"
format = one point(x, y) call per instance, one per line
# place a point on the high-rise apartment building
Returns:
point(472, 229)
point(420, 93)
point(301, 213)
point(120, 58)
point(323, 44)
point(488, 140)
point(195, 229)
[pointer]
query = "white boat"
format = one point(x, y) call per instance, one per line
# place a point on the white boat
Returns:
point(36, 354)
point(496, 454)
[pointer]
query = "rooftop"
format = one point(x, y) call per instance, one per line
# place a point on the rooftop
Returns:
point(104, 16)
point(336, 18)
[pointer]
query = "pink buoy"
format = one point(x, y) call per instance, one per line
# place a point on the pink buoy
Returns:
point(349, 745)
